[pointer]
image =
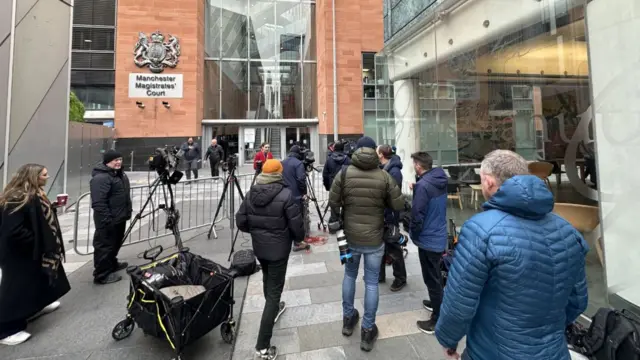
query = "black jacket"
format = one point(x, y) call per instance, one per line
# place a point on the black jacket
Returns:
point(334, 163)
point(214, 153)
point(193, 153)
point(25, 288)
point(394, 168)
point(294, 175)
point(272, 217)
point(110, 196)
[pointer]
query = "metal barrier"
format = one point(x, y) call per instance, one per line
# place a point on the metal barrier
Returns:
point(197, 201)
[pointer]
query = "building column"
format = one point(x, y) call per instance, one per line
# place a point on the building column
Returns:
point(406, 108)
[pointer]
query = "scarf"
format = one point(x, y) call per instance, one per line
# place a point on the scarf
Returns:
point(53, 250)
point(268, 178)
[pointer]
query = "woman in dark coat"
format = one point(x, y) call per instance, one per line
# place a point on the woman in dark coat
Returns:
point(31, 254)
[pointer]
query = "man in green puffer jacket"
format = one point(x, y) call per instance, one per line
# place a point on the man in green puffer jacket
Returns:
point(365, 193)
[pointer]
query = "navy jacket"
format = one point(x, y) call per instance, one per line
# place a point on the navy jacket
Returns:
point(294, 175)
point(394, 168)
point(517, 278)
point(429, 211)
point(335, 161)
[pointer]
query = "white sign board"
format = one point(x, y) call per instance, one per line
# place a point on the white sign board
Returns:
point(249, 135)
point(146, 85)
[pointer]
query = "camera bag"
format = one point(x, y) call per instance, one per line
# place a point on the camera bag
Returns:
point(612, 335)
point(244, 262)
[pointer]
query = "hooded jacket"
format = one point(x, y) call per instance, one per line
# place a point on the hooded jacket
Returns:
point(294, 175)
point(394, 168)
point(110, 196)
point(517, 278)
point(368, 191)
point(429, 211)
point(272, 216)
point(335, 161)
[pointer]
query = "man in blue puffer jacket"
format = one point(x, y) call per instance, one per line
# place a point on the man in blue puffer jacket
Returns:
point(429, 230)
point(518, 273)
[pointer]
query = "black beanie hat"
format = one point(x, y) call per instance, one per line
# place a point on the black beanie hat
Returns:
point(366, 142)
point(109, 156)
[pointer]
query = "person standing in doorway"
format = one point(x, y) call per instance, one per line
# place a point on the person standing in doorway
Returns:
point(111, 204)
point(429, 230)
point(262, 156)
point(191, 157)
point(214, 154)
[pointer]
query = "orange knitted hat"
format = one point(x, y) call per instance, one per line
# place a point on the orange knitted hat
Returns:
point(272, 166)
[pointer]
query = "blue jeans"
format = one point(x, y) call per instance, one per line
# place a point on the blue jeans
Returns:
point(372, 261)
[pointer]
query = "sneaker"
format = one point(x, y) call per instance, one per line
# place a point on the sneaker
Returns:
point(16, 339)
point(397, 285)
point(427, 327)
point(281, 308)
point(267, 354)
point(427, 305)
point(349, 323)
point(110, 279)
point(301, 246)
point(368, 338)
point(121, 265)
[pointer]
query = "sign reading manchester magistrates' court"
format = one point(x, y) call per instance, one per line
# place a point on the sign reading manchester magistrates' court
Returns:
point(145, 85)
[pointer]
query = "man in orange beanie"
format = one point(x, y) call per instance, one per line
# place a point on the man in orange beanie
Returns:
point(272, 216)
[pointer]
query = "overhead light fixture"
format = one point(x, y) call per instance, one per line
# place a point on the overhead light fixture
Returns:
point(140, 104)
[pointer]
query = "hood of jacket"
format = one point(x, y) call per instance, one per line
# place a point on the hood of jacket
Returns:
point(365, 159)
point(295, 155)
point(102, 168)
point(267, 187)
point(436, 177)
point(525, 196)
point(394, 162)
point(339, 157)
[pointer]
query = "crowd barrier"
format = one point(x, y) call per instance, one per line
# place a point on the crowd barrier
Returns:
point(196, 200)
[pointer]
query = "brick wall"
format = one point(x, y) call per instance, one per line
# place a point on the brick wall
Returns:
point(185, 20)
point(359, 28)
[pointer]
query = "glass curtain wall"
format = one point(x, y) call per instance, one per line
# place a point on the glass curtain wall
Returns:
point(379, 122)
point(260, 59)
point(527, 91)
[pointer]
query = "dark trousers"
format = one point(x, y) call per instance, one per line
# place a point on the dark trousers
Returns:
point(192, 166)
point(12, 327)
point(215, 171)
point(430, 264)
point(106, 245)
point(399, 268)
point(273, 276)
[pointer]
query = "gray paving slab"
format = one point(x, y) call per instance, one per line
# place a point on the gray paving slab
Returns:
point(385, 349)
point(332, 353)
point(326, 335)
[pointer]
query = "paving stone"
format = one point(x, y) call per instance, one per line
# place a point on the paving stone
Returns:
point(331, 246)
point(315, 257)
point(428, 347)
point(326, 335)
point(399, 302)
point(311, 314)
point(315, 281)
point(286, 340)
point(295, 260)
point(255, 303)
point(399, 324)
point(334, 353)
point(334, 293)
point(306, 269)
point(384, 349)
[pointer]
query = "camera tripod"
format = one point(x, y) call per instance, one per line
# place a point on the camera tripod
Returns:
point(312, 197)
point(173, 215)
point(229, 184)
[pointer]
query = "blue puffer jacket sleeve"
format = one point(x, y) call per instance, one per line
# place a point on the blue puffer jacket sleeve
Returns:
point(394, 168)
point(467, 276)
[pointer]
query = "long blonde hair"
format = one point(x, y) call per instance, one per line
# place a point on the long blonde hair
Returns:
point(22, 187)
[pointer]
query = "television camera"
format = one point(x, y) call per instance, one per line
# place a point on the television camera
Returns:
point(231, 164)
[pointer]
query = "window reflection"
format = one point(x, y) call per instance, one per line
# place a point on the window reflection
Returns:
point(263, 29)
point(234, 89)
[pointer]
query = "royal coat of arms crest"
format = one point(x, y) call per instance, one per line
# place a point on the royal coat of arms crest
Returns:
point(155, 53)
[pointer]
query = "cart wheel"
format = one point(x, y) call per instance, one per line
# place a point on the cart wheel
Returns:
point(318, 226)
point(228, 332)
point(123, 329)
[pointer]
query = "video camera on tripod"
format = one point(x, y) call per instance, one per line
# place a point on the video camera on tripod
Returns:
point(231, 164)
point(165, 162)
point(308, 158)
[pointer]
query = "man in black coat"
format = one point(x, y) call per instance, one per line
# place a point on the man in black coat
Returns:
point(111, 204)
point(271, 214)
point(214, 153)
point(335, 161)
point(192, 157)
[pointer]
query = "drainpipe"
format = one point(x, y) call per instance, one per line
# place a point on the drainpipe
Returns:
point(335, 76)
point(7, 130)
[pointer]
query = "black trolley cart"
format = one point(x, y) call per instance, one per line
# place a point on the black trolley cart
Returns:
point(180, 298)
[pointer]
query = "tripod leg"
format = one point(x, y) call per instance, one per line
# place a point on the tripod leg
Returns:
point(233, 244)
point(239, 188)
point(212, 229)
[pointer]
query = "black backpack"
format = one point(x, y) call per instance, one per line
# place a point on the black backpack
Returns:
point(244, 263)
point(613, 335)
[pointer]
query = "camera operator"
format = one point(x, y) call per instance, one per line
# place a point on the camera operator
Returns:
point(111, 204)
point(214, 154)
point(272, 216)
point(335, 161)
point(263, 155)
point(192, 156)
point(393, 165)
point(295, 179)
point(364, 194)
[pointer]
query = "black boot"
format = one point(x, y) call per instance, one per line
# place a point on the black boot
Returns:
point(368, 338)
point(349, 323)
